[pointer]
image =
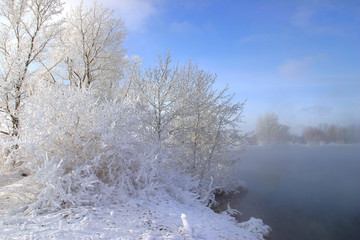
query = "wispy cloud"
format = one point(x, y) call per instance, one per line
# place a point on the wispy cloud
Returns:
point(302, 17)
point(317, 109)
point(254, 37)
point(318, 18)
point(135, 13)
point(294, 69)
point(184, 27)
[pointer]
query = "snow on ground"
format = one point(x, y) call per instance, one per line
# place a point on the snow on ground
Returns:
point(155, 219)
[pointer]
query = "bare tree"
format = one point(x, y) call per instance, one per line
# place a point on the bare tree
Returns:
point(27, 29)
point(325, 133)
point(313, 135)
point(270, 131)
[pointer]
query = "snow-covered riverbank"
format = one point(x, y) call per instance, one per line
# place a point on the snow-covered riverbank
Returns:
point(157, 218)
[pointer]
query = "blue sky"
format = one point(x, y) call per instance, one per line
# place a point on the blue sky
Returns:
point(298, 59)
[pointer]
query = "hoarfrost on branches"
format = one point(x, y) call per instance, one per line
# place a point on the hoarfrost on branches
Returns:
point(110, 130)
point(95, 135)
point(85, 151)
point(28, 27)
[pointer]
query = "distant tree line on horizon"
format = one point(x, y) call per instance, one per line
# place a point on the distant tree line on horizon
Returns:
point(269, 131)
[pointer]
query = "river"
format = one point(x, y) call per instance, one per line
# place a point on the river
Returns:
point(303, 192)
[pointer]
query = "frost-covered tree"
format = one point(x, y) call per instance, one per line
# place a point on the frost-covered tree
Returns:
point(270, 131)
point(196, 123)
point(313, 135)
point(209, 128)
point(93, 54)
point(27, 29)
point(325, 133)
point(160, 89)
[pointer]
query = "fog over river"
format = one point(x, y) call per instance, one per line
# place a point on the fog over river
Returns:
point(303, 192)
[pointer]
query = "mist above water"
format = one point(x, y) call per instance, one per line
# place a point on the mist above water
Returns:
point(303, 192)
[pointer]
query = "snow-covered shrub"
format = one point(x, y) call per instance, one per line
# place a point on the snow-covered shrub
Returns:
point(85, 151)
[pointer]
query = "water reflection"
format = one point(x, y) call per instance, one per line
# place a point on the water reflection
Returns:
point(303, 192)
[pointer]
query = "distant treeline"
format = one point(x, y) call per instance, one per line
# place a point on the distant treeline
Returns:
point(270, 132)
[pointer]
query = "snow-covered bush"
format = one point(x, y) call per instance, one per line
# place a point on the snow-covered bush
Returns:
point(85, 151)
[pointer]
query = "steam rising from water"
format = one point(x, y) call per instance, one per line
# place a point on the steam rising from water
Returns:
point(303, 192)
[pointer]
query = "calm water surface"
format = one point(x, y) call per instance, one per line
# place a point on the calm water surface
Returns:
point(303, 192)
